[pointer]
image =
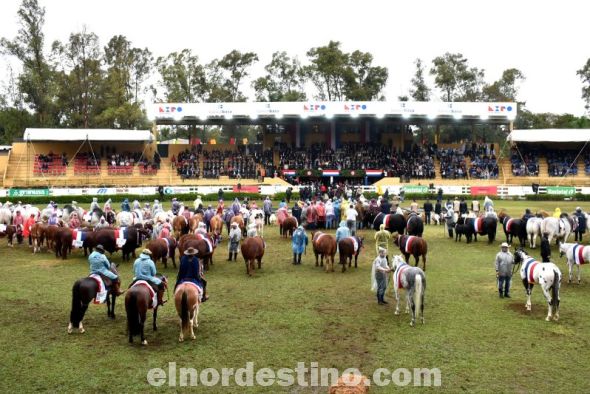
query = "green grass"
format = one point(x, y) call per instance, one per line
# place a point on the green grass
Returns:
point(287, 314)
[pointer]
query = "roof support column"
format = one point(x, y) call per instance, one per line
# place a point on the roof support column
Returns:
point(333, 134)
point(298, 134)
point(367, 131)
point(437, 135)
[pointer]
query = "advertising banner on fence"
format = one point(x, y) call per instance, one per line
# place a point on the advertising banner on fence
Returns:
point(562, 190)
point(28, 192)
point(414, 189)
point(246, 189)
point(484, 190)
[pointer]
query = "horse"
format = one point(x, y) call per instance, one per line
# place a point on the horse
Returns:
point(484, 225)
point(556, 228)
point(62, 242)
point(533, 228)
point(414, 224)
point(5, 215)
point(324, 245)
point(227, 216)
point(187, 298)
point(252, 250)
point(194, 221)
point(547, 275)
point(576, 254)
point(394, 222)
point(9, 231)
point(38, 235)
point(289, 225)
point(513, 227)
point(216, 224)
point(360, 210)
point(137, 302)
point(348, 248)
point(180, 226)
point(413, 280)
point(412, 245)
point(240, 221)
point(125, 219)
point(162, 248)
point(87, 289)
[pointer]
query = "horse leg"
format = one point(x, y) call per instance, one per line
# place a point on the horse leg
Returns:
point(529, 289)
point(549, 306)
point(412, 306)
point(154, 325)
point(570, 269)
point(82, 313)
point(109, 305)
point(579, 278)
point(396, 301)
point(424, 261)
point(259, 259)
point(165, 261)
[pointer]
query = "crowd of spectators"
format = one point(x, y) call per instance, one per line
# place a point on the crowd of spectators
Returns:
point(51, 163)
point(525, 162)
point(562, 163)
point(484, 164)
point(187, 163)
point(452, 163)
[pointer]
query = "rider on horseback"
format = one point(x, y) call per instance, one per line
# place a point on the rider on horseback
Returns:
point(99, 264)
point(94, 204)
point(175, 206)
point(125, 206)
point(144, 268)
point(190, 271)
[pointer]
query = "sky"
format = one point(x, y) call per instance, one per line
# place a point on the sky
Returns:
point(546, 40)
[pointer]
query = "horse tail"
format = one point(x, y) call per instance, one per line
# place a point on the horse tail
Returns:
point(184, 311)
point(555, 290)
point(76, 313)
point(419, 293)
point(133, 323)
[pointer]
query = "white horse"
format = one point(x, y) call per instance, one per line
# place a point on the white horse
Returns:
point(559, 229)
point(413, 280)
point(547, 275)
point(125, 219)
point(533, 228)
point(576, 254)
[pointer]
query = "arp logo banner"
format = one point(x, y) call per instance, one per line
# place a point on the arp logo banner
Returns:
point(500, 109)
point(353, 107)
point(102, 190)
point(314, 107)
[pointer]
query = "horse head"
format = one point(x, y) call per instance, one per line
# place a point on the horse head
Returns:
point(519, 255)
point(395, 236)
point(397, 261)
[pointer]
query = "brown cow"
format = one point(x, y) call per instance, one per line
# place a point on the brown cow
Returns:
point(349, 247)
point(252, 250)
point(162, 248)
point(288, 227)
point(324, 245)
point(180, 226)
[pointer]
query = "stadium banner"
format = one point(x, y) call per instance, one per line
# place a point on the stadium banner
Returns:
point(28, 192)
point(451, 189)
point(519, 190)
point(246, 189)
point(415, 189)
point(484, 190)
point(374, 172)
point(330, 172)
point(562, 190)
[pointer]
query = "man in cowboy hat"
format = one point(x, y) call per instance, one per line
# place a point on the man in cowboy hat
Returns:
point(504, 262)
point(379, 275)
point(100, 265)
point(144, 268)
point(190, 270)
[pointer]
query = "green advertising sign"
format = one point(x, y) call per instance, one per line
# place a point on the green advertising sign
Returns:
point(415, 189)
point(562, 190)
point(28, 192)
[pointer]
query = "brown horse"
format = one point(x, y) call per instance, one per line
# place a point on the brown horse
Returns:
point(63, 242)
point(289, 225)
point(204, 245)
point(84, 291)
point(187, 301)
point(216, 224)
point(50, 233)
point(180, 226)
point(162, 248)
point(324, 245)
point(193, 222)
point(9, 232)
point(137, 302)
point(348, 248)
point(38, 235)
point(240, 221)
point(412, 245)
point(252, 250)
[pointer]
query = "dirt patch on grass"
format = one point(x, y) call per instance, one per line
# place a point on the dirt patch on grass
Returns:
point(538, 311)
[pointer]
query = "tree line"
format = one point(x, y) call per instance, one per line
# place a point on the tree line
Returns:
point(80, 84)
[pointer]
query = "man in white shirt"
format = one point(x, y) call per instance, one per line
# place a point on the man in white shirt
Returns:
point(351, 215)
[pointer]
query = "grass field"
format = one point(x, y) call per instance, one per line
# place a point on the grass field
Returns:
point(287, 314)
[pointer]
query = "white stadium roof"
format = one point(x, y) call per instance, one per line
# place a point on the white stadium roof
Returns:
point(549, 135)
point(86, 134)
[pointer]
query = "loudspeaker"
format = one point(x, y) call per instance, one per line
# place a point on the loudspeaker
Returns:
point(535, 187)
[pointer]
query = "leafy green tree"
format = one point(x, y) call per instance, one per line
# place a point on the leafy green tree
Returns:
point(364, 82)
point(183, 77)
point(284, 80)
point(36, 80)
point(456, 80)
point(584, 74)
point(420, 90)
point(328, 70)
point(80, 79)
point(506, 88)
point(13, 122)
point(235, 66)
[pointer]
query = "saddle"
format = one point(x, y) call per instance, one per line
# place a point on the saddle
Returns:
point(159, 290)
point(110, 285)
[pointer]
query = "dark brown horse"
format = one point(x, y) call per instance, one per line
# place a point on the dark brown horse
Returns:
point(162, 248)
point(50, 232)
point(194, 221)
point(412, 245)
point(137, 302)
point(348, 248)
point(324, 245)
point(204, 245)
point(38, 235)
point(9, 233)
point(288, 227)
point(62, 242)
point(513, 227)
point(252, 250)
point(84, 291)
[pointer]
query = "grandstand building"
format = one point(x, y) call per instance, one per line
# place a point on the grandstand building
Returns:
point(370, 143)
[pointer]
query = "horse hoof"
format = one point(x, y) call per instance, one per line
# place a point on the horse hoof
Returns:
point(82, 331)
point(70, 330)
point(548, 318)
point(411, 324)
point(193, 337)
point(144, 342)
point(396, 313)
point(181, 339)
